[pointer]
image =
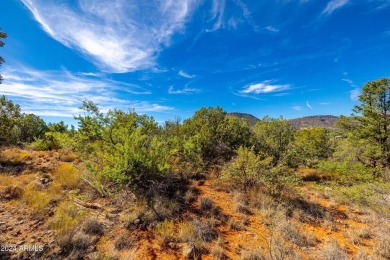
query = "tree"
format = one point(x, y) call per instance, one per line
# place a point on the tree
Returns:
point(31, 127)
point(16, 126)
point(273, 136)
point(373, 119)
point(59, 127)
point(309, 147)
point(9, 118)
point(215, 134)
point(3, 35)
point(126, 148)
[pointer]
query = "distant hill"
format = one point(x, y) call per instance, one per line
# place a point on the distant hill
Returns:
point(326, 121)
point(250, 118)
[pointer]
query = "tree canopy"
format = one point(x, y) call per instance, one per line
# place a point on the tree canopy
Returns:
point(372, 122)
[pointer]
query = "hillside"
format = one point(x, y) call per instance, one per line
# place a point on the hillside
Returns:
point(326, 121)
point(250, 118)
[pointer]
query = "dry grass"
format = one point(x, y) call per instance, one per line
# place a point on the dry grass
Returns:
point(239, 198)
point(235, 225)
point(218, 250)
point(37, 201)
point(290, 233)
point(329, 223)
point(206, 204)
point(93, 227)
point(190, 195)
point(260, 200)
point(382, 246)
point(333, 251)
point(186, 231)
point(124, 241)
point(68, 157)
point(66, 218)
point(203, 231)
point(252, 255)
point(138, 216)
point(65, 223)
point(166, 230)
point(14, 156)
point(67, 176)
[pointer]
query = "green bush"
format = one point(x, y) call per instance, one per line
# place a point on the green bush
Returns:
point(309, 147)
point(126, 148)
point(347, 173)
point(246, 169)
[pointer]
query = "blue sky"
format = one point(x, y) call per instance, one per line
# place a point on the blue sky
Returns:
point(169, 58)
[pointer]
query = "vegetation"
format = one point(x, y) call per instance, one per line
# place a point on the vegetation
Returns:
point(181, 185)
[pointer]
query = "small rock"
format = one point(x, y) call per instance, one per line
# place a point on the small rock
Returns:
point(93, 256)
point(115, 211)
point(173, 245)
point(16, 233)
point(188, 251)
point(44, 180)
point(137, 221)
point(112, 216)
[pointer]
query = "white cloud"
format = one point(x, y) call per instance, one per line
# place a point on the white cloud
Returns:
point(217, 11)
point(333, 6)
point(271, 29)
point(297, 108)
point(59, 93)
point(117, 35)
point(354, 94)
point(186, 75)
point(324, 103)
point(308, 105)
point(185, 90)
point(264, 87)
point(350, 82)
point(281, 94)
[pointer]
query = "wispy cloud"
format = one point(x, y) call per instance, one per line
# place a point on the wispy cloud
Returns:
point(272, 29)
point(185, 90)
point(308, 105)
point(297, 108)
point(281, 94)
point(59, 93)
point(349, 82)
point(115, 34)
point(325, 103)
point(264, 87)
point(186, 75)
point(246, 13)
point(333, 6)
point(354, 94)
point(217, 11)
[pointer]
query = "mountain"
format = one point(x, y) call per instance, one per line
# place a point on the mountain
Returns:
point(251, 119)
point(326, 121)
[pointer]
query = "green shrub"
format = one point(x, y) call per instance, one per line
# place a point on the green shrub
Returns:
point(348, 173)
point(246, 169)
